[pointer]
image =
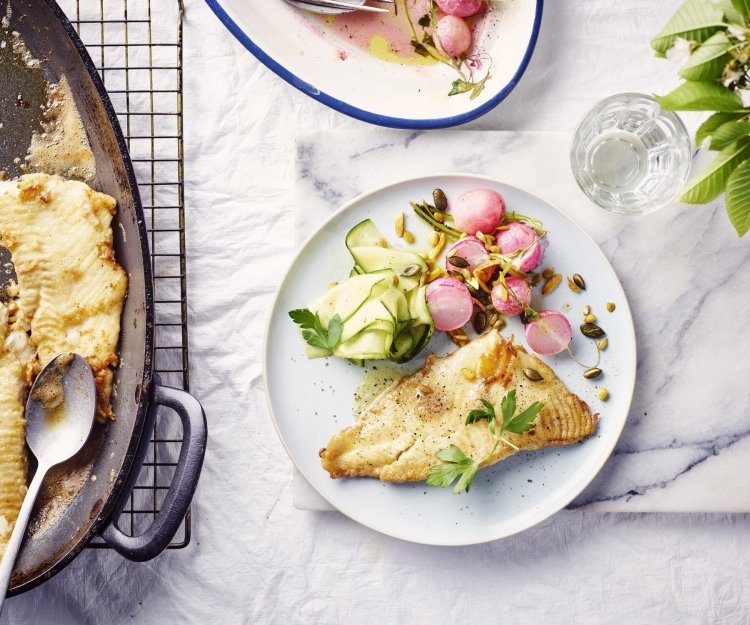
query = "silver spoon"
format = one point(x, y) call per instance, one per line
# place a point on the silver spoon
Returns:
point(59, 415)
point(329, 7)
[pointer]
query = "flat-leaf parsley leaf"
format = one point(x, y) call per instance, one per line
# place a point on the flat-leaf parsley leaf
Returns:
point(313, 331)
point(458, 466)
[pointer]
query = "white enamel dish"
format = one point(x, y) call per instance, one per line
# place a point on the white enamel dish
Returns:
point(330, 69)
point(310, 400)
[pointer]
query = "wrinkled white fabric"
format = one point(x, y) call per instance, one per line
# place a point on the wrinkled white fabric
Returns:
point(254, 558)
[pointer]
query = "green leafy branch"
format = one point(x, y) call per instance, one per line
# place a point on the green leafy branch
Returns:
point(717, 36)
point(458, 466)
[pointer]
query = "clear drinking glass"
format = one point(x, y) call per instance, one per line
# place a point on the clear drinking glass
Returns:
point(629, 156)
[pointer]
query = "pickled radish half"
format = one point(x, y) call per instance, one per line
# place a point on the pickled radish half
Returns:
point(505, 303)
point(550, 333)
point(449, 303)
point(520, 238)
point(478, 210)
point(460, 8)
point(471, 250)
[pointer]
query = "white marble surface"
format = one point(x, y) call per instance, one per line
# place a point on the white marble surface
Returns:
point(254, 558)
point(686, 444)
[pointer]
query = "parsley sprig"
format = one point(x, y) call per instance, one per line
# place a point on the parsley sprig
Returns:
point(458, 466)
point(313, 331)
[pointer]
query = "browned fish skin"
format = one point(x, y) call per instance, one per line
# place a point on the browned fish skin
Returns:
point(398, 435)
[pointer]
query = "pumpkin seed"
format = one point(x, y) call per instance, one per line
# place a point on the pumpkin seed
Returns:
point(474, 292)
point(590, 318)
point(441, 202)
point(499, 324)
point(603, 394)
point(439, 217)
point(468, 374)
point(408, 236)
point(479, 323)
point(532, 374)
point(493, 319)
point(602, 345)
point(536, 279)
point(398, 225)
point(456, 275)
point(611, 306)
point(434, 274)
point(592, 330)
point(411, 270)
point(438, 246)
point(551, 284)
point(383, 243)
point(548, 272)
point(586, 310)
point(592, 373)
point(434, 237)
point(579, 282)
point(573, 286)
point(425, 390)
point(459, 262)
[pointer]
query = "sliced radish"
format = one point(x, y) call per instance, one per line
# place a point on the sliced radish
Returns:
point(449, 303)
point(471, 249)
point(478, 210)
point(519, 237)
point(549, 334)
point(504, 302)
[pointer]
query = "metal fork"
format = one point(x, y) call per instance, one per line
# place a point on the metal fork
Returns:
point(337, 6)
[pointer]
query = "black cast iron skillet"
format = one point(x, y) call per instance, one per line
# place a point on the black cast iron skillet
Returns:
point(74, 507)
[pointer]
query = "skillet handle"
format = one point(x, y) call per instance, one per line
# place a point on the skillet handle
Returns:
point(156, 538)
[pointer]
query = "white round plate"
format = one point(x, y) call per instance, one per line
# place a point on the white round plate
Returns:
point(335, 72)
point(310, 400)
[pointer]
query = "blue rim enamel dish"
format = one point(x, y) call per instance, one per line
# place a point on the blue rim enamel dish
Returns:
point(328, 68)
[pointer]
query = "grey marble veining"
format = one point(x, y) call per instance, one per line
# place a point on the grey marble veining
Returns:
point(686, 443)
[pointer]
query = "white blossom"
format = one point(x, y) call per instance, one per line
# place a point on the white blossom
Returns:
point(679, 53)
point(733, 76)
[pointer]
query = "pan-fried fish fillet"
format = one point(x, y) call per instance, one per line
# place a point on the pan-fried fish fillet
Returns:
point(12, 435)
point(398, 435)
point(71, 289)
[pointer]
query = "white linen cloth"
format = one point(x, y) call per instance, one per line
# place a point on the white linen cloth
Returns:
point(255, 558)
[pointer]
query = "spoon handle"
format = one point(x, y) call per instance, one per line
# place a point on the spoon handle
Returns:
point(16, 537)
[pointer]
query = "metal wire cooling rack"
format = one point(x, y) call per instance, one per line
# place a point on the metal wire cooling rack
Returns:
point(139, 56)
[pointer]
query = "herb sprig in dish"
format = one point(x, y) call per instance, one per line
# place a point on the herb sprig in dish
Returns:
point(458, 466)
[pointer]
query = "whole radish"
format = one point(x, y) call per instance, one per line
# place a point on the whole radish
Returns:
point(548, 333)
point(461, 8)
point(453, 35)
point(503, 300)
point(520, 238)
point(478, 210)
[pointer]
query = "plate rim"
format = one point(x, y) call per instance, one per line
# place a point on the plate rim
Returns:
point(396, 534)
point(368, 116)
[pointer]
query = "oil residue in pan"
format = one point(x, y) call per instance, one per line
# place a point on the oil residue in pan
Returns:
point(22, 99)
point(40, 128)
